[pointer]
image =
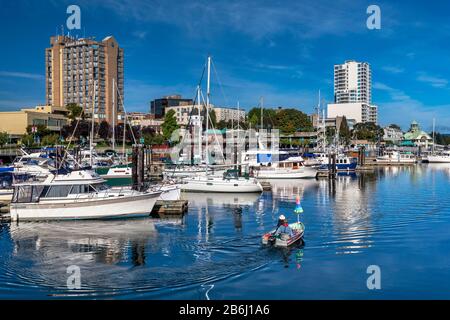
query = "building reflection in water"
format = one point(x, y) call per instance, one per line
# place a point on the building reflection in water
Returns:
point(348, 201)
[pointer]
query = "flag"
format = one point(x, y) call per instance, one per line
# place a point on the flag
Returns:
point(298, 206)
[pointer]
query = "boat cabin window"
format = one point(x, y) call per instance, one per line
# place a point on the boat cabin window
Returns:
point(100, 187)
point(25, 194)
point(57, 192)
point(82, 188)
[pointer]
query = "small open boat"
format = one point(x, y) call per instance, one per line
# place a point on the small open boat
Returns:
point(284, 240)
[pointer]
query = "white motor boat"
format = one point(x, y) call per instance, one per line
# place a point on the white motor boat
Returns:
point(78, 195)
point(443, 157)
point(229, 183)
point(291, 168)
point(396, 157)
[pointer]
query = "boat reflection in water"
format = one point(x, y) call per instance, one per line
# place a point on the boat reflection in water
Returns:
point(108, 242)
point(204, 200)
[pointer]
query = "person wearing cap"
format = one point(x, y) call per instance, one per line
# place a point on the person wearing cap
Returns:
point(283, 227)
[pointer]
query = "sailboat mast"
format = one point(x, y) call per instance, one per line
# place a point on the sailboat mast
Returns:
point(261, 104)
point(434, 135)
point(114, 115)
point(238, 114)
point(208, 92)
point(91, 140)
point(200, 133)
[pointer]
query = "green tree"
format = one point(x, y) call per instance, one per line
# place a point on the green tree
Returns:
point(154, 139)
point(75, 111)
point(104, 130)
point(290, 121)
point(344, 132)
point(4, 138)
point(27, 140)
point(269, 117)
point(169, 125)
point(42, 130)
point(367, 131)
point(50, 140)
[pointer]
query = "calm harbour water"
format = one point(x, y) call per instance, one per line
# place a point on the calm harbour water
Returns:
point(396, 218)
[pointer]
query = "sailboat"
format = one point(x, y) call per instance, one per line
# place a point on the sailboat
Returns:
point(442, 157)
point(230, 182)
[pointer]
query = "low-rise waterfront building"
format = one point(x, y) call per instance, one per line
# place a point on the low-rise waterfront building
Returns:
point(334, 123)
point(359, 111)
point(392, 134)
point(229, 114)
point(417, 137)
point(15, 123)
point(158, 107)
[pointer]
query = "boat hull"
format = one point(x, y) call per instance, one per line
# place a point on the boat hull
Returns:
point(220, 186)
point(438, 159)
point(299, 230)
point(170, 193)
point(305, 173)
point(106, 208)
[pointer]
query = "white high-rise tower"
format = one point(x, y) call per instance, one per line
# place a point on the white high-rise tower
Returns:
point(353, 92)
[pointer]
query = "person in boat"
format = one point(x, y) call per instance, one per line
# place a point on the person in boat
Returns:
point(283, 227)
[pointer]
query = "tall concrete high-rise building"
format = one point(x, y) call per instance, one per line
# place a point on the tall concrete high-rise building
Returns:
point(74, 66)
point(353, 93)
point(352, 82)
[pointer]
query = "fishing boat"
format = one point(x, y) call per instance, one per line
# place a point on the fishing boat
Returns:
point(72, 195)
point(343, 164)
point(284, 240)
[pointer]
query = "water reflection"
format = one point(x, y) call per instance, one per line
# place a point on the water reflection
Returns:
point(215, 252)
point(349, 201)
point(108, 242)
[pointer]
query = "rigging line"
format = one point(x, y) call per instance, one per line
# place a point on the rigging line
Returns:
point(66, 153)
point(220, 83)
point(126, 122)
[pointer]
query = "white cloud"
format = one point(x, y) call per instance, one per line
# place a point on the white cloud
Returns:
point(393, 69)
point(304, 19)
point(12, 74)
point(434, 81)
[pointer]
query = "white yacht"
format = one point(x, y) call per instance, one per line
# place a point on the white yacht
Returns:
point(291, 168)
point(78, 195)
point(396, 157)
point(35, 164)
point(443, 157)
point(230, 182)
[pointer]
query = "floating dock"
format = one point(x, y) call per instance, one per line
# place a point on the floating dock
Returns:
point(266, 185)
point(164, 209)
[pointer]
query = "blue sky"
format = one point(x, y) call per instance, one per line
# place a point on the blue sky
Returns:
point(281, 50)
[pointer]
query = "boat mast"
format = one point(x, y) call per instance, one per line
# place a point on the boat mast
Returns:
point(114, 116)
point(238, 115)
point(200, 133)
point(91, 140)
point(261, 104)
point(208, 88)
point(434, 135)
